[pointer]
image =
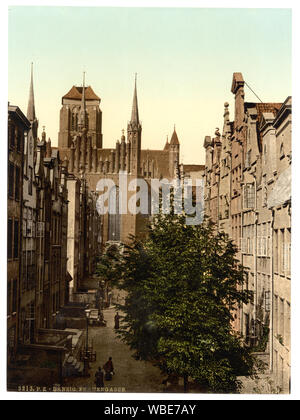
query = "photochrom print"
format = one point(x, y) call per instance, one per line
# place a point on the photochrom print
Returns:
point(149, 200)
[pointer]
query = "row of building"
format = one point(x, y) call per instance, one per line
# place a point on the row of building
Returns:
point(52, 239)
point(55, 233)
point(247, 184)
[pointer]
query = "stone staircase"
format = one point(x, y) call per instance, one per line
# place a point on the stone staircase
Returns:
point(72, 366)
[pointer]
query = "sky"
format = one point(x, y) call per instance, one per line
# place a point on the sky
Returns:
point(184, 59)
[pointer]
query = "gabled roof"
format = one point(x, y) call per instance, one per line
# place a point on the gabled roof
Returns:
point(262, 108)
point(267, 107)
point(76, 93)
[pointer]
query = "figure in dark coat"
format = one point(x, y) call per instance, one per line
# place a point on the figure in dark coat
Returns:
point(109, 369)
point(99, 378)
point(117, 321)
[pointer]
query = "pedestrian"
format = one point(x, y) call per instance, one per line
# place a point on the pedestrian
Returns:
point(99, 381)
point(117, 321)
point(109, 369)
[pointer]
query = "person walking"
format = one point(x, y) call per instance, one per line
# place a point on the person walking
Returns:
point(109, 369)
point(99, 378)
point(117, 321)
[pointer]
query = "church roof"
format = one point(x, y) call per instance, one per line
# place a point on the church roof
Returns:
point(174, 138)
point(31, 107)
point(135, 109)
point(76, 93)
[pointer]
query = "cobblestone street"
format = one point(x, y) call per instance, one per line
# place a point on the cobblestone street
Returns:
point(131, 375)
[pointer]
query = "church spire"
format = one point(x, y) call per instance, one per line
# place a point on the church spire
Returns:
point(31, 108)
point(135, 110)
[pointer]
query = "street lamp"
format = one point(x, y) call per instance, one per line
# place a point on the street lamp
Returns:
point(86, 357)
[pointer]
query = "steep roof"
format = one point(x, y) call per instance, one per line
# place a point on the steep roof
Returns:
point(135, 109)
point(76, 93)
point(31, 107)
point(174, 138)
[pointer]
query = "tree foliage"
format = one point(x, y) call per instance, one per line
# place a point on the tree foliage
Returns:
point(183, 284)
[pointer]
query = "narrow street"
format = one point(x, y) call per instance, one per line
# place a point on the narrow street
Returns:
point(130, 375)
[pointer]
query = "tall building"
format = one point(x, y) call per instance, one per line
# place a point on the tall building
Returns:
point(18, 128)
point(29, 222)
point(80, 143)
point(247, 170)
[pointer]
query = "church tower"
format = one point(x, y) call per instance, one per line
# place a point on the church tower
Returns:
point(134, 135)
point(174, 149)
point(80, 109)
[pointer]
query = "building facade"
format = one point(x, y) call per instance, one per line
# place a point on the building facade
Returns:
point(80, 144)
point(18, 128)
point(243, 169)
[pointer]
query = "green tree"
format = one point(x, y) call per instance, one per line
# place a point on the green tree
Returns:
point(183, 284)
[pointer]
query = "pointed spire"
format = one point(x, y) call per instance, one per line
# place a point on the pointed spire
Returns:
point(174, 138)
point(31, 108)
point(167, 145)
point(135, 111)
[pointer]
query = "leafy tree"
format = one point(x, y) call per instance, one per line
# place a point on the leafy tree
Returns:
point(183, 284)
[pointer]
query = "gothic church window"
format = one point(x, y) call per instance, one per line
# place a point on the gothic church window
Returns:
point(114, 218)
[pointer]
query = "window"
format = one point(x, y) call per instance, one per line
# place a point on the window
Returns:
point(19, 140)
point(275, 258)
point(264, 246)
point(249, 196)
point(9, 298)
point(24, 271)
point(12, 136)
point(17, 184)
point(286, 256)
point(281, 319)
point(9, 238)
point(248, 159)
point(11, 179)
point(31, 270)
point(30, 181)
point(16, 239)
point(275, 314)
point(14, 296)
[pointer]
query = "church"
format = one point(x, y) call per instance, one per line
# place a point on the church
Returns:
point(80, 144)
